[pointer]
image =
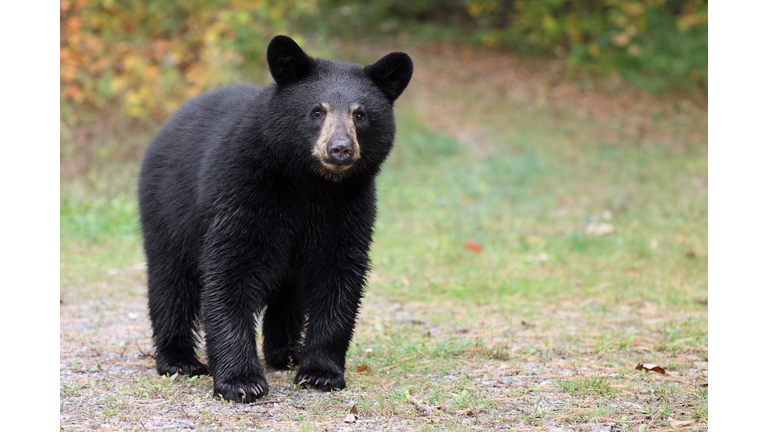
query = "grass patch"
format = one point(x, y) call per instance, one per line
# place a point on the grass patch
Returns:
point(594, 386)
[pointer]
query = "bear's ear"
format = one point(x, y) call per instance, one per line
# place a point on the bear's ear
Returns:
point(287, 61)
point(391, 74)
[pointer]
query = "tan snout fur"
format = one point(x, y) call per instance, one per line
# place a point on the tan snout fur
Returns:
point(336, 122)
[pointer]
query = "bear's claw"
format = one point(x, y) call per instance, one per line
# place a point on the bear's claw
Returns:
point(320, 380)
point(234, 391)
point(193, 368)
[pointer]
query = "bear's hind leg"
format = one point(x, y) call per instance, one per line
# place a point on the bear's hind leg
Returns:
point(174, 308)
point(283, 323)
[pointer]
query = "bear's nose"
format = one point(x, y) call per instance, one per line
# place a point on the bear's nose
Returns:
point(340, 150)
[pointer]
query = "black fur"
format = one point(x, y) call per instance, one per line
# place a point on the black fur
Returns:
point(237, 216)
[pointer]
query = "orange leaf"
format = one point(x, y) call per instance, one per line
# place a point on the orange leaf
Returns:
point(364, 368)
point(472, 246)
point(72, 91)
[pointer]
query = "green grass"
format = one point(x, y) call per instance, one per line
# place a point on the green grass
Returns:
point(527, 206)
point(597, 386)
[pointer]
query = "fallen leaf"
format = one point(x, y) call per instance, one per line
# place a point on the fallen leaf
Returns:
point(353, 410)
point(364, 368)
point(679, 423)
point(462, 331)
point(470, 413)
point(691, 254)
point(650, 367)
point(632, 271)
point(472, 246)
point(350, 418)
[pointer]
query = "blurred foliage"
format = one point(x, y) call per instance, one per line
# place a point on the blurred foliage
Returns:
point(128, 64)
point(145, 57)
point(656, 43)
point(659, 45)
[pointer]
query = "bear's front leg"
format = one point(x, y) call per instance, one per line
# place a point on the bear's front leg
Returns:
point(234, 289)
point(332, 307)
point(230, 339)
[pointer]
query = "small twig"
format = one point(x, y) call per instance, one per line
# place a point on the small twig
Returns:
point(555, 420)
point(653, 419)
point(425, 409)
point(403, 360)
point(143, 354)
point(266, 402)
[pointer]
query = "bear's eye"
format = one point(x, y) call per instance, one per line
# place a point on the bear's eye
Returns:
point(316, 113)
point(359, 116)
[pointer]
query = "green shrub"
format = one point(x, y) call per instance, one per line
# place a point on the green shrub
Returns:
point(658, 44)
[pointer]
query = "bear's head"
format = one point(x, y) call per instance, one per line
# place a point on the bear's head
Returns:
point(339, 115)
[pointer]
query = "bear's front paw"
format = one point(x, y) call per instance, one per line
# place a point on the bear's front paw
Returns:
point(241, 390)
point(325, 381)
point(191, 368)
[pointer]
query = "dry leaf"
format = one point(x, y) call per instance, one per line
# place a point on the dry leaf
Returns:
point(470, 413)
point(691, 254)
point(364, 368)
point(462, 331)
point(679, 423)
point(650, 367)
point(472, 246)
point(353, 410)
point(632, 271)
point(350, 418)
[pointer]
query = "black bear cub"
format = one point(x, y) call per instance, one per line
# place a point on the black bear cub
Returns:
point(254, 198)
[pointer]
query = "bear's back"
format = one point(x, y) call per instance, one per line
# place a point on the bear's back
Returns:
point(202, 121)
point(172, 165)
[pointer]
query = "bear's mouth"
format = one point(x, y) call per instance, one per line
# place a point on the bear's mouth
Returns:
point(337, 167)
point(331, 163)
